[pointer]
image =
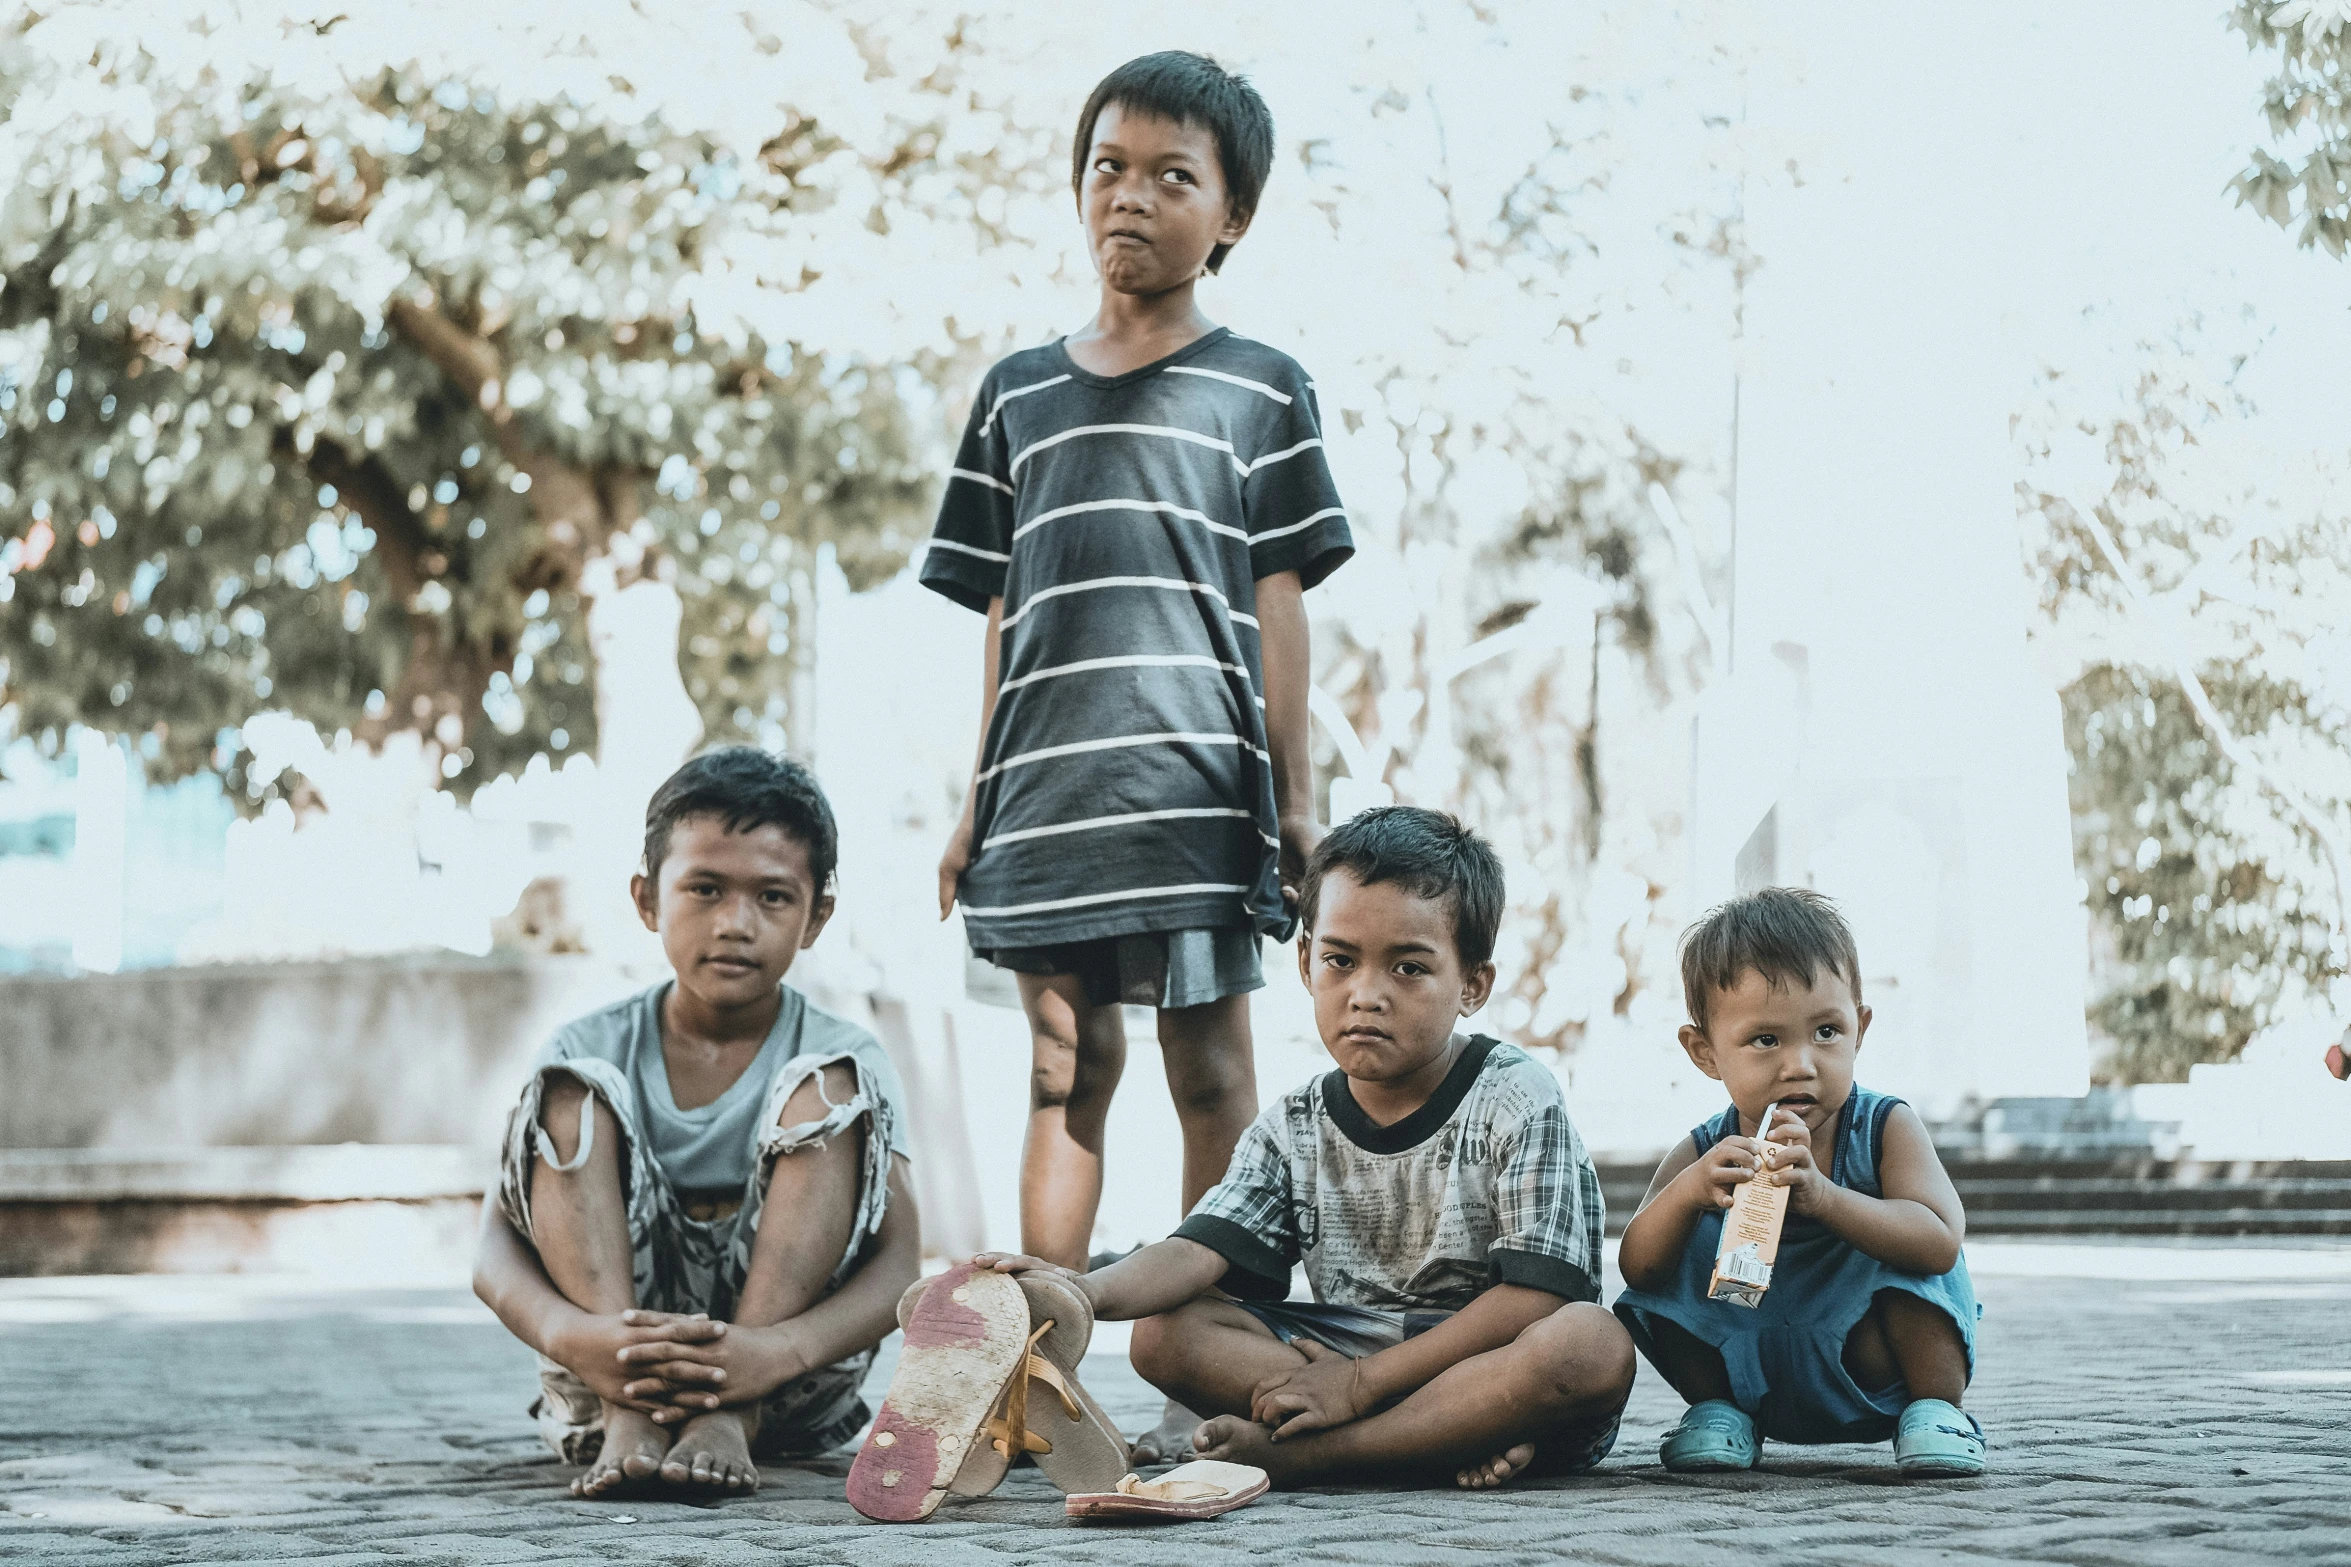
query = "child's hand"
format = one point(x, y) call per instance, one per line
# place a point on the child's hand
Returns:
point(597, 1350)
point(1017, 1262)
point(953, 862)
point(1327, 1391)
point(1299, 835)
point(1712, 1182)
point(1788, 1142)
point(686, 1366)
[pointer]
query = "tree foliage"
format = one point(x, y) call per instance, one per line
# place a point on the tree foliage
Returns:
point(2202, 847)
point(2306, 169)
point(333, 400)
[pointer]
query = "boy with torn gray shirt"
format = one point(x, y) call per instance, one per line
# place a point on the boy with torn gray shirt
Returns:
point(704, 1218)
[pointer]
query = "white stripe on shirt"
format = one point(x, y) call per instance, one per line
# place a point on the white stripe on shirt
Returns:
point(1184, 891)
point(1093, 823)
point(988, 479)
point(1298, 527)
point(1172, 584)
point(1126, 661)
point(1046, 753)
point(1185, 512)
point(1270, 458)
point(997, 406)
point(1168, 430)
point(968, 549)
point(1237, 380)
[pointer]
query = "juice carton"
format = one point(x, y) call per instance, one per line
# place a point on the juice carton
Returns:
point(1750, 1238)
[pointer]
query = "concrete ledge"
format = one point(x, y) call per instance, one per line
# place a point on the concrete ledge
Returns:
point(335, 1172)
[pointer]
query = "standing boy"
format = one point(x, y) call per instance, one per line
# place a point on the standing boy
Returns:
point(704, 1221)
point(1138, 509)
point(1447, 1215)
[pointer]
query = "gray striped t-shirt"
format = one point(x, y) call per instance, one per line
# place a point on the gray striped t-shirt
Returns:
point(1124, 520)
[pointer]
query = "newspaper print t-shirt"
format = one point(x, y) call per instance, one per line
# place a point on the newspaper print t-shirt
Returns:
point(1487, 1183)
point(1124, 785)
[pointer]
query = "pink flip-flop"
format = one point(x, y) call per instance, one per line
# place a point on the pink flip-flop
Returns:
point(967, 1335)
point(1200, 1489)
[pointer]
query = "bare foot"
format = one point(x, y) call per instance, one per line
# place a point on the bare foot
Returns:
point(1498, 1470)
point(1170, 1441)
point(712, 1453)
point(1234, 1440)
point(631, 1454)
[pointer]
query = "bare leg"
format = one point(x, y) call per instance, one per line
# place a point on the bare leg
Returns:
point(1906, 1339)
point(1079, 1051)
point(1212, 1077)
point(810, 1205)
point(1575, 1365)
point(579, 1222)
point(1692, 1366)
point(1209, 1355)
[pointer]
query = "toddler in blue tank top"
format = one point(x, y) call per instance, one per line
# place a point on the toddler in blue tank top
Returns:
point(1868, 1327)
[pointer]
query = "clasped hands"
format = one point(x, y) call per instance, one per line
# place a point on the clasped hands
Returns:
point(673, 1366)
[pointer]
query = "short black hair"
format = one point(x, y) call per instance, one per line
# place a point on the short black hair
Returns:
point(1430, 855)
point(1786, 934)
point(745, 787)
point(1190, 89)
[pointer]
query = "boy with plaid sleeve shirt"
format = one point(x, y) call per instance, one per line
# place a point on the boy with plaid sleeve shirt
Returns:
point(1446, 1212)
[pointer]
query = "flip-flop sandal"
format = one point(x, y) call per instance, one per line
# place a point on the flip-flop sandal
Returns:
point(967, 1333)
point(1937, 1439)
point(1714, 1435)
point(1059, 1425)
point(1202, 1488)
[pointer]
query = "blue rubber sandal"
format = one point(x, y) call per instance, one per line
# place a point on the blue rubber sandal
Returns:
point(1712, 1437)
point(1935, 1439)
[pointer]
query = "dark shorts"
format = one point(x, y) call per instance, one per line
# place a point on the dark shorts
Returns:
point(1360, 1331)
point(1158, 968)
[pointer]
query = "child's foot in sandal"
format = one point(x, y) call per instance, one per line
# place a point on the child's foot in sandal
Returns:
point(1713, 1436)
point(967, 1335)
point(1938, 1440)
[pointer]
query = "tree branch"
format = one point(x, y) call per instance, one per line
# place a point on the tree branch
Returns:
point(2175, 649)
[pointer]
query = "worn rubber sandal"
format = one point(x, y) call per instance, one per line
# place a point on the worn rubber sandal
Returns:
point(1935, 1439)
point(966, 1336)
point(1714, 1436)
point(1063, 1430)
point(1202, 1488)
point(983, 1467)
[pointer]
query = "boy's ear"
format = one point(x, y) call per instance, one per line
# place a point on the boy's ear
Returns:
point(1699, 1049)
point(1305, 952)
point(1861, 1026)
point(819, 913)
point(1236, 224)
point(1477, 987)
point(647, 898)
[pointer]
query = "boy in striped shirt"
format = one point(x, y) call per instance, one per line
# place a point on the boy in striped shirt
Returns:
point(1138, 509)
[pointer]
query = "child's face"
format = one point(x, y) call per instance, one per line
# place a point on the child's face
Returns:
point(1154, 202)
point(1388, 982)
point(1784, 1044)
point(732, 909)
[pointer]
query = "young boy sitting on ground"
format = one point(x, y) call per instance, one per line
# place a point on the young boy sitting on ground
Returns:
point(1868, 1327)
point(678, 1334)
point(1445, 1209)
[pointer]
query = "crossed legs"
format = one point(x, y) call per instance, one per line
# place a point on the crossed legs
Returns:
point(1572, 1368)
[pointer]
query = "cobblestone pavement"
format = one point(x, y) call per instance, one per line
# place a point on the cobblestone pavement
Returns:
point(2196, 1418)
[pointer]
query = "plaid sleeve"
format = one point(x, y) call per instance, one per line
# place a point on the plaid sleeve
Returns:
point(1289, 499)
point(1549, 1209)
point(1247, 1219)
point(971, 544)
